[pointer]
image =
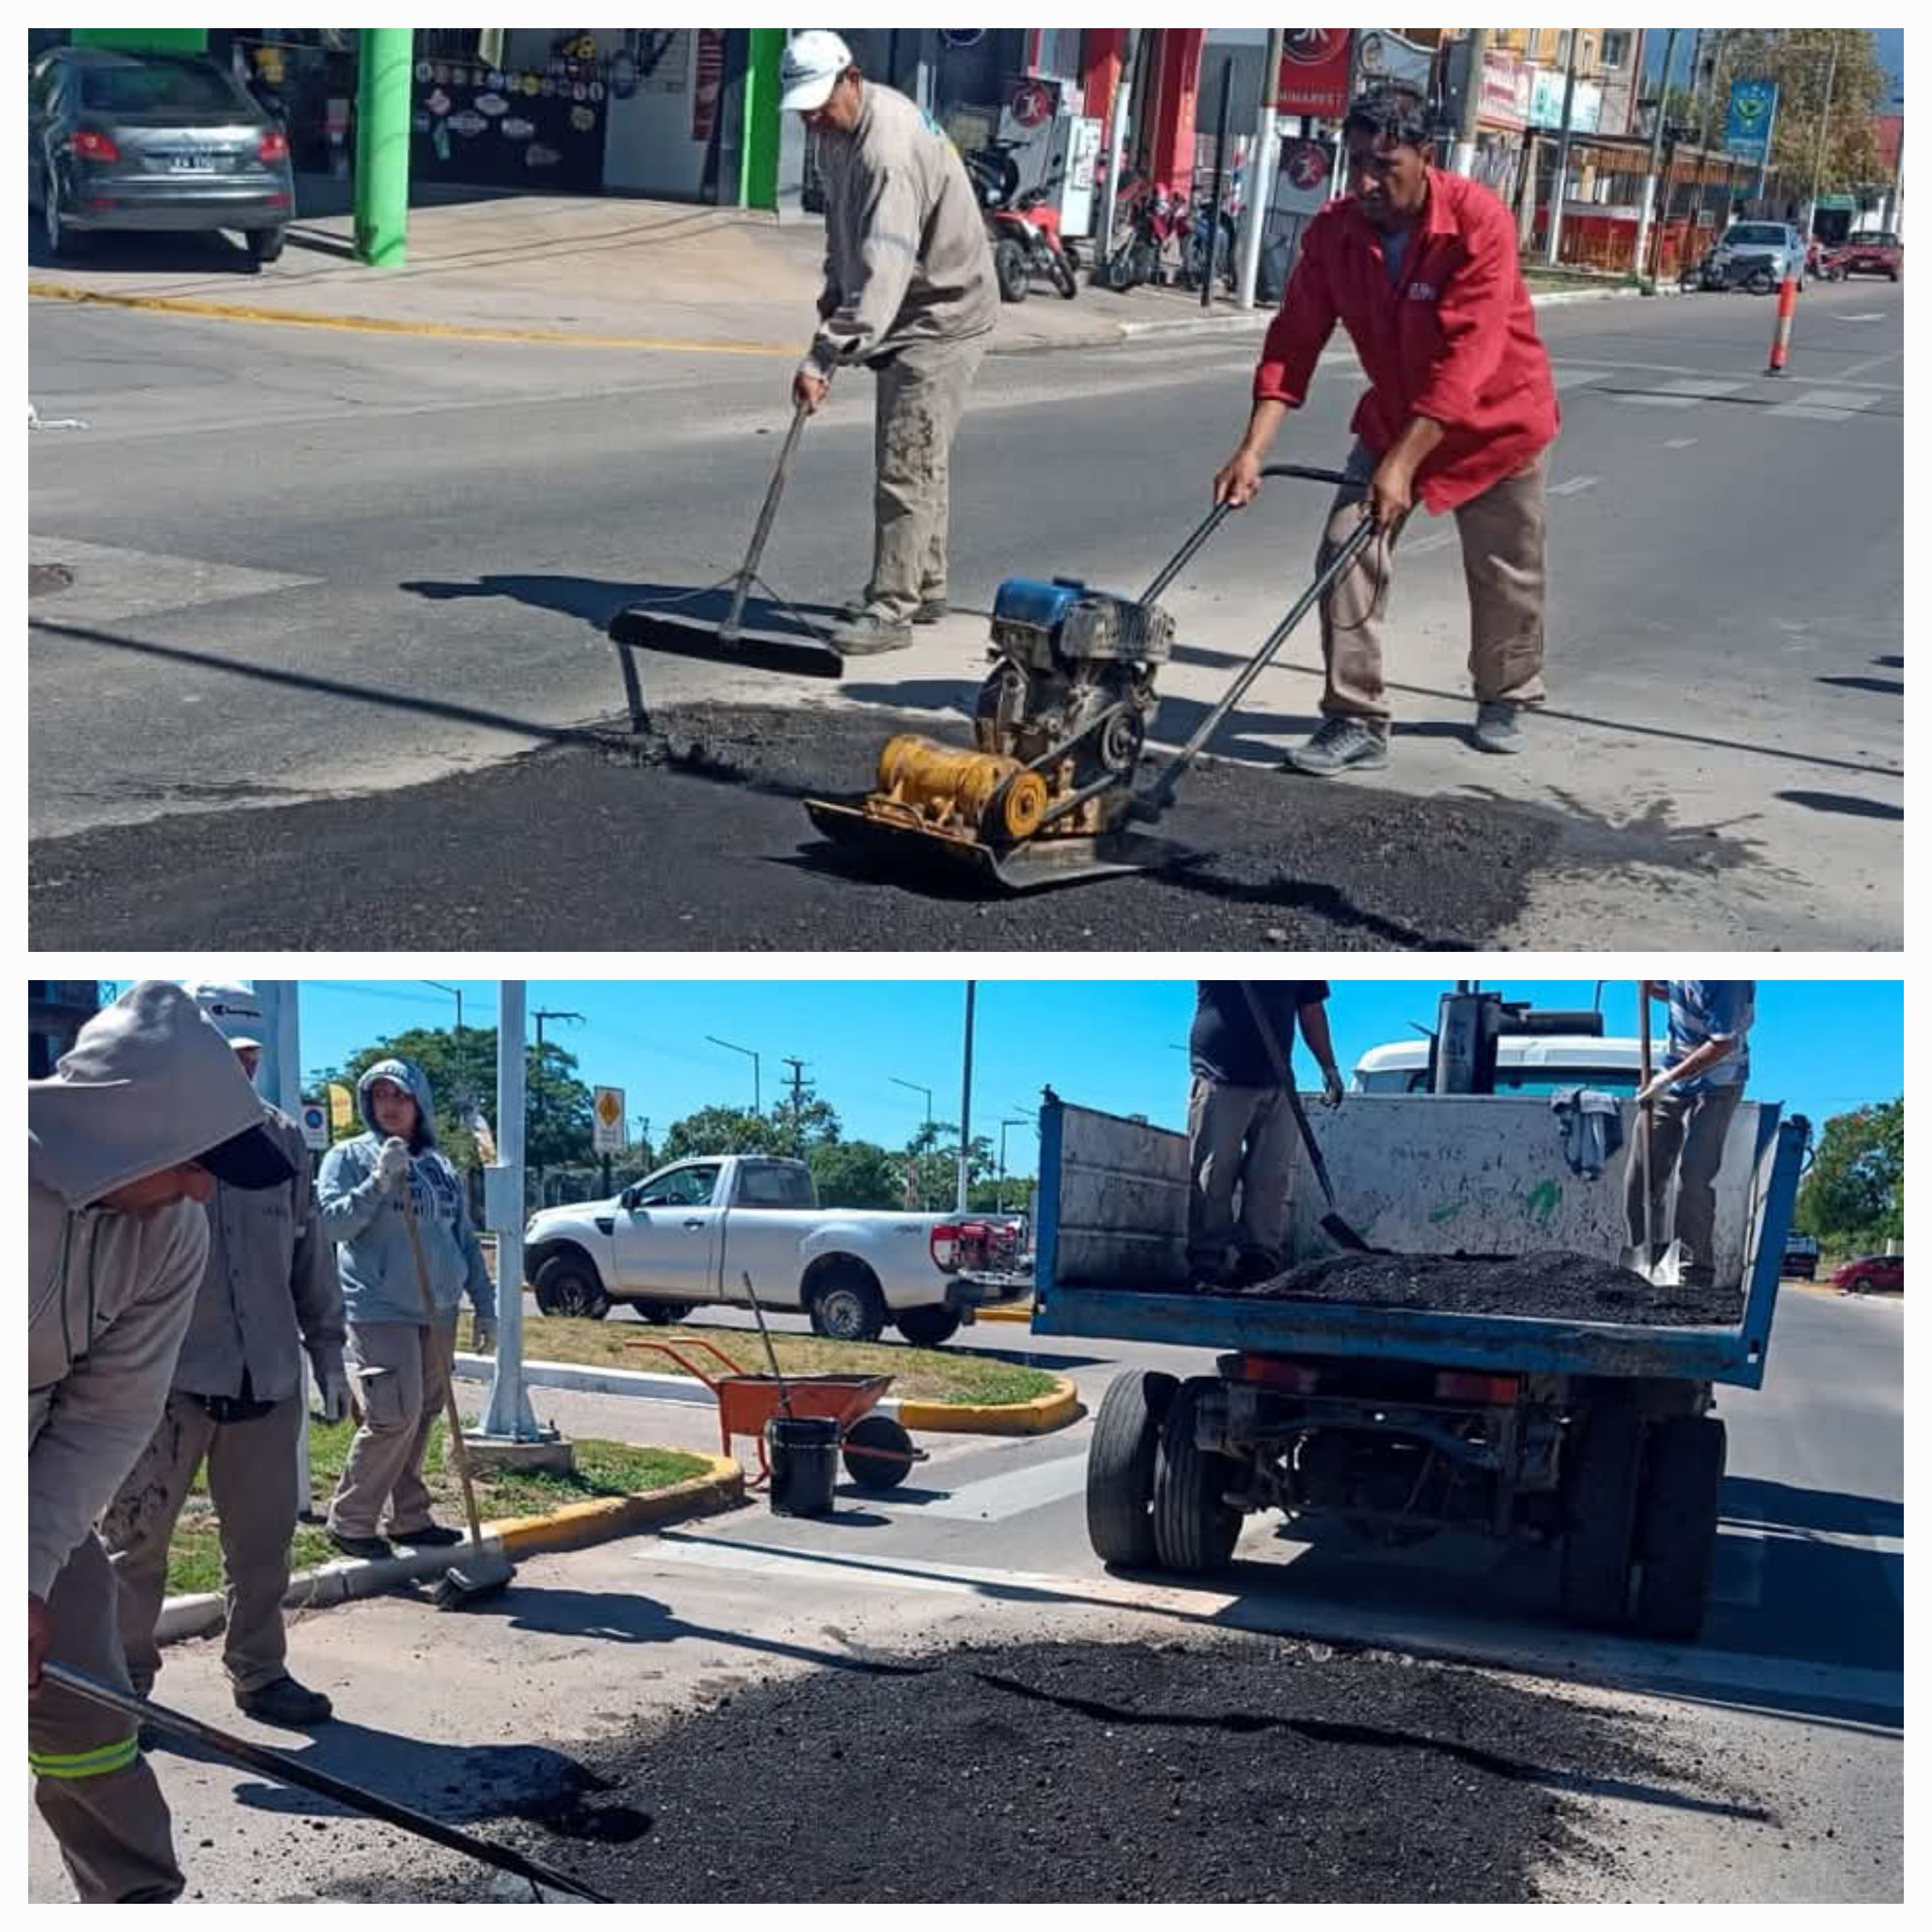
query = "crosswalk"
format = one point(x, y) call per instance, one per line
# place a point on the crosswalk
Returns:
point(1644, 389)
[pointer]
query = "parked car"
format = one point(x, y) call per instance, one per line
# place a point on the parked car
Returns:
point(1883, 1274)
point(1770, 250)
point(688, 1233)
point(1871, 255)
point(1801, 1258)
point(152, 142)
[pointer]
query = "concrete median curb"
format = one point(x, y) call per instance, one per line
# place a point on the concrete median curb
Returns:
point(575, 1526)
point(1040, 1417)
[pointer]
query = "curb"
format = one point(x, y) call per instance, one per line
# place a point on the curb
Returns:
point(1040, 1417)
point(575, 1526)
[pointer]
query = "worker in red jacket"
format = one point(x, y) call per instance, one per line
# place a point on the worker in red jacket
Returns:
point(1419, 267)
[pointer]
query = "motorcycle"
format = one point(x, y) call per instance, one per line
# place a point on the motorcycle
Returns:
point(1153, 217)
point(1713, 276)
point(1023, 229)
point(1194, 232)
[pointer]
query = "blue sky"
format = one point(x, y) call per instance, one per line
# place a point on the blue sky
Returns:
point(1820, 1047)
point(1891, 50)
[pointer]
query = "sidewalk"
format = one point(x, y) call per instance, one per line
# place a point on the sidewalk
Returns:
point(646, 274)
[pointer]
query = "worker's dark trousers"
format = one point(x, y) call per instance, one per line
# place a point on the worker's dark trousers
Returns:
point(91, 1784)
point(922, 392)
point(1689, 1137)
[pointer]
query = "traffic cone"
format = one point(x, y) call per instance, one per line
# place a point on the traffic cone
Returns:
point(1781, 341)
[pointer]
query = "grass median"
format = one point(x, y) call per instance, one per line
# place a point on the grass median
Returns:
point(603, 1469)
point(919, 1374)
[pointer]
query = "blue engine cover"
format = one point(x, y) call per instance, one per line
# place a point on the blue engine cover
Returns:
point(1030, 600)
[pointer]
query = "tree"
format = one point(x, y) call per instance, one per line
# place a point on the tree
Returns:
point(1799, 60)
point(932, 1155)
point(723, 1130)
point(1854, 1196)
point(856, 1174)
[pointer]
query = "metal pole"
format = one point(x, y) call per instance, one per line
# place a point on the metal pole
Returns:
point(1553, 240)
point(1818, 158)
point(1463, 160)
point(1213, 238)
point(1646, 214)
point(1123, 94)
point(966, 1098)
point(382, 111)
point(757, 1090)
point(1262, 189)
point(508, 1414)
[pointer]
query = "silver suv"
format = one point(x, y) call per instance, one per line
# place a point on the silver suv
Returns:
point(1745, 245)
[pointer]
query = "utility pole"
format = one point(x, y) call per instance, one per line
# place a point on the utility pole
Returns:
point(1267, 153)
point(966, 1099)
point(913, 1087)
point(1553, 241)
point(1463, 160)
point(758, 1091)
point(383, 109)
point(1818, 157)
point(1000, 1195)
point(797, 1103)
point(462, 1058)
point(1123, 95)
point(543, 1097)
point(1646, 214)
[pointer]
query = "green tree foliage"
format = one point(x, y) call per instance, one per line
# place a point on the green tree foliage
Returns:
point(1854, 1196)
point(723, 1130)
point(857, 1173)
point(1798, 59)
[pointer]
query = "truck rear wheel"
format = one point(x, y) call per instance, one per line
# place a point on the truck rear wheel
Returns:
point(927, 1328)
point(568, 1284)
point(846, 1306)
point(1121, 1465)
point(1195, 1530)
point(1600, 1497)
point(1677, 1524)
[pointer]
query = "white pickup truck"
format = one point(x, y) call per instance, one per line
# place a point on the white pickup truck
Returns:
point(687, 1234)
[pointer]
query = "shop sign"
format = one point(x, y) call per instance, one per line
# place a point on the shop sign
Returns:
point(1507, 87)
point(1314, 75)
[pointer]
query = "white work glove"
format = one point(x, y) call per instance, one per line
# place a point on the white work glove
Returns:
point(332, 1386)
point(1659, 1085)
point(392, 1163)
point(1332, 1089)
point(483, 1333)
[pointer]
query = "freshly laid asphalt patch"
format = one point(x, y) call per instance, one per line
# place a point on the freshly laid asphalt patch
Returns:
point(1558, 1286)
point(1218, 1769)
point(697, 839)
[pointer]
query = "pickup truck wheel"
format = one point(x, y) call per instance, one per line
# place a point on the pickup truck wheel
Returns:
point(664, 1314)
point(846, 1306)
point(1195, 1530)
point(566, 1284)
point(927, 1328)
point(1677, 1524)
point(1600, 1497)
point(878, 1452)
point(1120, 1464)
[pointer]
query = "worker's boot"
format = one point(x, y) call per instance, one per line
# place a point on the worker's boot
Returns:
point(1341, 745)
point(1498, 728)
point(873, 630)
point(431, 1536)
point(285, 1702)
point(930, 611)
point(370, 1548)
point(1252, 1266)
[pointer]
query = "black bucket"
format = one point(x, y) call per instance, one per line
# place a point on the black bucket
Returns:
point(803, 1450)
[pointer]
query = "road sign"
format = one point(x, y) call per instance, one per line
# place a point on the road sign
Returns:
point(315, 1124)
point(341, 1106)
point(607, 1106)
point(1753, 114)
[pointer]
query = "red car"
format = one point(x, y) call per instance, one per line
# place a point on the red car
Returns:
point(1884, 1273)
point(1871, 255)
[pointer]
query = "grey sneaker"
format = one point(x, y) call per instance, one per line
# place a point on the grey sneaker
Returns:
point(931, 610)
point(1341, 744)
point(1498, 728)
point(869, 633)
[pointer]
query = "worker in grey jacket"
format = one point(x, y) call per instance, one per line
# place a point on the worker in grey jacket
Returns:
point(369, 1190)
point(268, 1290)
point(909, 292)
point(142, 1118)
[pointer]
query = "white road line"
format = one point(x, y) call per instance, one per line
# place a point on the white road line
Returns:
point(1680, 443)
point(1685, 393)
point(1825, 405)
point(1870, 362)
point(1573, 486)
point(993, 1498)
point(1572, 379)
point(112, 584)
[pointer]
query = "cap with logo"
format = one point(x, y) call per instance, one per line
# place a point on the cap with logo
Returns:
point(813, 61)
point(232, 1010)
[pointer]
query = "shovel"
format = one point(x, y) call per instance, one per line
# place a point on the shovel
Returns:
point(1664, 1271)
point(546, 1887)
point(486, 1571)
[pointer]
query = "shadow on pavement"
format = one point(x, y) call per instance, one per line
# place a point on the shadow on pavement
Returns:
point(1844, 802)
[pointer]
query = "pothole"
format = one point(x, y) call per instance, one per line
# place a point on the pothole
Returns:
point(43, 578)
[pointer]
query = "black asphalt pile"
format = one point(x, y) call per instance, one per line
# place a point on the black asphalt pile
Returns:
point(1556, 1286)
point(1223, 1769)
point(697, 838)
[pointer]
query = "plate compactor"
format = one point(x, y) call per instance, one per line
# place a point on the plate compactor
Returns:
point(1047, 795)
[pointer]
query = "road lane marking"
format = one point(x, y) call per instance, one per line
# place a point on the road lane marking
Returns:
point(1825, 405)
point(1870, 362)
point(1572, 378)
point(993, 1498)
point(1573, 486)
point(111, 585)
point(1680, 443)
point(1685, 393)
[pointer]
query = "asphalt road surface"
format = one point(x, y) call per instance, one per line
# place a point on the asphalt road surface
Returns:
point(311, 574)
point(641, 1681)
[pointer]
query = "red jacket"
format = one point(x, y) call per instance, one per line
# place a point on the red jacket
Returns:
point(1455, 341)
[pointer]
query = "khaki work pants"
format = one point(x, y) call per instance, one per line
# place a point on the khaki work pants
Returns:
point(92, 1785)
point(923, 393)
point(251, 1479)
point(1689, 1138)
point(1236, 1136)
point(1502, 533)
point(402, 1376)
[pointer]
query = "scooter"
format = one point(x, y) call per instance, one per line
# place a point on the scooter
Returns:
point(1023, 229)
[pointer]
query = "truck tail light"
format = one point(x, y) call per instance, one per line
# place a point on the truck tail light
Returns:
point(275, 145)
point(1488, 1391)
point(1277, 1372)
point(90, 146)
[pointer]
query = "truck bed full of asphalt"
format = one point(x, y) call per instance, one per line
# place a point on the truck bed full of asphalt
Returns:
point(1217, 1769)
point(1556, 1286)
point(695, 838)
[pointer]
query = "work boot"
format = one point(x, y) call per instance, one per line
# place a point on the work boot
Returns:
point(370, 1548)
point(871, 632)
point(1253, 1266)
point(930, 609)
point(431, 1536)
point(1341, 744)
point(285, 1702)
point(1498, 728)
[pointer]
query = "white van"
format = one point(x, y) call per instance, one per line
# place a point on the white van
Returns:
point(1524, 1065)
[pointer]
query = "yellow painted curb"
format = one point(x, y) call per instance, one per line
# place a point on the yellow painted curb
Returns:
point(577, 1525)
point(1007, 1311)
point(1040, 1417)
point(71, 292)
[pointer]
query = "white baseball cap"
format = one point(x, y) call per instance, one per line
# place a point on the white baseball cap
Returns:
point(810, 70)
point(231, 1009)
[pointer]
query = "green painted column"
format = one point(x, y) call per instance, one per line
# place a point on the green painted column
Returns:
point(758, 184)
point(382, 145)
point(144, 40)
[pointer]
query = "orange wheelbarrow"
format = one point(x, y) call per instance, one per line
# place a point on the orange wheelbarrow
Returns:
point(878, 1454)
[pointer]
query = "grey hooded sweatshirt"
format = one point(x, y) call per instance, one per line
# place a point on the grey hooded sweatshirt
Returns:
point(149, 1084)
point(378, 1269)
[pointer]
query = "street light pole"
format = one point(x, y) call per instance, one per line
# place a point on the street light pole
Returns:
point(757, 1090)
point(1261, 185)
point(1000, 1196)
point(913, 1087)
point(543, 1098)
point(1553, 237)
point(966, 1085)
point(1818, 158)
point(462, 1059)
point(1463, 160)
point(1647, 213)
